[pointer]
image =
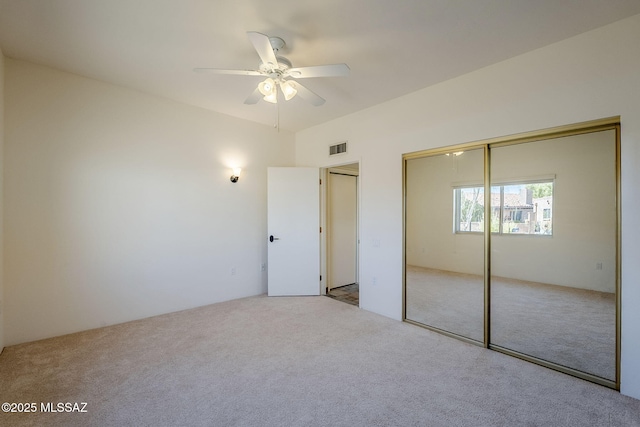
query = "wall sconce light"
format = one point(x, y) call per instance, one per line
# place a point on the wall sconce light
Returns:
point(236, 174)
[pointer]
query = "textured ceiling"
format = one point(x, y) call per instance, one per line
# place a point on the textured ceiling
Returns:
point(393, 47)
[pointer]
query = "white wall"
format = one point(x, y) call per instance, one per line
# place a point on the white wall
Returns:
point(118, 205)
point(591, 76)
point(430, 240)
point(584, 215)
point(1, 201)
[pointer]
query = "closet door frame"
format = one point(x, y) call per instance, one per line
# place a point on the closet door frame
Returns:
point(610, 123)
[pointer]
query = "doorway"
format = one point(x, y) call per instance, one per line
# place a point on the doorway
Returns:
point(341, 221)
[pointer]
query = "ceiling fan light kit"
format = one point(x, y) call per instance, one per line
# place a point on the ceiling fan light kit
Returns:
point(277, 69)
point(267, 87)
point(272, 98)
point(288, 89)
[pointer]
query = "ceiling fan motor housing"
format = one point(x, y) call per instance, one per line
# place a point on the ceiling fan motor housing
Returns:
point(277, 70)
point(276, 43)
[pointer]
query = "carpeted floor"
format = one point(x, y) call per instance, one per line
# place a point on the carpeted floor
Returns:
point(569, 326)
point(292, 361)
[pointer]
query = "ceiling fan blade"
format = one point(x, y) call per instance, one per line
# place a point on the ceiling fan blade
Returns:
point(223, 71)
point(263, 46)
point(334, 70)
point(307, 94)
point(254, 97)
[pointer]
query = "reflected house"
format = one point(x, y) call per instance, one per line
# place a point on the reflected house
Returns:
point(543, 208)
point(523, 214)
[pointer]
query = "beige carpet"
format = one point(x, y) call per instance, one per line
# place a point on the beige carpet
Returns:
point(307, 361)
point(568, 326)
point(450, 301)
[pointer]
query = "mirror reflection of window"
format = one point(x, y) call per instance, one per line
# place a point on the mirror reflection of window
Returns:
point(516, 209)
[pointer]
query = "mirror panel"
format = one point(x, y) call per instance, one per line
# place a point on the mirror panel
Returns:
point(553, 251)
point(444, 242)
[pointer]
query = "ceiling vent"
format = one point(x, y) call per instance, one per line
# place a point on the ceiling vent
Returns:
point(338, 149)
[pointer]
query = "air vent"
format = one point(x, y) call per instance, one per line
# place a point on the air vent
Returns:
point(338, 149)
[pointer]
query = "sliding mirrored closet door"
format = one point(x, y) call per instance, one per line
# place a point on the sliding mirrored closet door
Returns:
point(539, 279)
point(444, 242)
point(553, 251)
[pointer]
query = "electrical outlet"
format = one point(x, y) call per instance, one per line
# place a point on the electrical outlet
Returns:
point(263, 267)
point(374, 281)
point(598, 266)
point(233, 271)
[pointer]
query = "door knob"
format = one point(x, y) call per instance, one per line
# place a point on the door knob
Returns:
point(271, 238)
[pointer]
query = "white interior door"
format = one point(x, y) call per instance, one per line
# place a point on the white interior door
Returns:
point(343, 217)
point(293, 223)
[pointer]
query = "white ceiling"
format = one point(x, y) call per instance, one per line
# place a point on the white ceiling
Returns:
point(393, 47)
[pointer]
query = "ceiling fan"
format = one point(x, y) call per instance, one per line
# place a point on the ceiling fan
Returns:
point(278, 69)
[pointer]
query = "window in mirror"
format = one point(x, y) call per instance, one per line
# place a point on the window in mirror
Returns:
point(524, 208)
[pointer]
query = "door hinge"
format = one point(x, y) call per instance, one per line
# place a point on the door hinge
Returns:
point(320, 181)
point(321, 277)
point(321, 229)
